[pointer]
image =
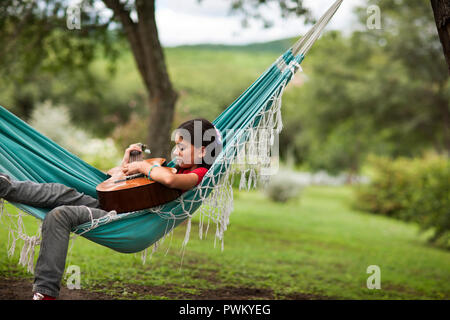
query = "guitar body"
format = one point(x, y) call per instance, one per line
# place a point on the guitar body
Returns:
point(138, 193)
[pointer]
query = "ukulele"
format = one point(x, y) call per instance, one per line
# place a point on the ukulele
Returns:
point(124, 193)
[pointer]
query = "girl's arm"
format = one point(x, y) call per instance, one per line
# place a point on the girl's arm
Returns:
point(164, 176)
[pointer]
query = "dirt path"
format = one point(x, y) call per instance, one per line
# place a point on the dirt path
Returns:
point(20, 289)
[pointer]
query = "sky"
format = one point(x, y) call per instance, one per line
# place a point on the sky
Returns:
point(190, 22)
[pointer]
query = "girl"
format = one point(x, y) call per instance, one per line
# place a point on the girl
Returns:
point(197, 145)
point(192, 156)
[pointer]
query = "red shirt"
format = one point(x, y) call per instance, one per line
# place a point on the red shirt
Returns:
point(200, 172)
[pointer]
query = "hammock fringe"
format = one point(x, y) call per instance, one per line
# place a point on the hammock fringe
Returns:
point(17, 232)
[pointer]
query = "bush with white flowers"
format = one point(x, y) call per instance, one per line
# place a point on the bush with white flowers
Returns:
point(54, 122)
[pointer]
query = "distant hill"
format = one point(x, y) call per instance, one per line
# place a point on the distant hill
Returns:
point(277, 46)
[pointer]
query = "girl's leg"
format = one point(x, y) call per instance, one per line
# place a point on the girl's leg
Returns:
point(56, 229)
point(44, 195)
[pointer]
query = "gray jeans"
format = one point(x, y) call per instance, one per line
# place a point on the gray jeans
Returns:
point(70, 208)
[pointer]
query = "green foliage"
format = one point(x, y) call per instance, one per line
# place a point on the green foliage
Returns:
point(411, 189)
point(375, 91)
point(287, 8)
point(327, 121)
point(40, 51)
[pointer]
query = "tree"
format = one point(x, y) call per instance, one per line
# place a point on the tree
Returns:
point(38, 51)
point(410, 40)
point(35, 22)
point(29, 24)
point(441, 10)
point(383, 91)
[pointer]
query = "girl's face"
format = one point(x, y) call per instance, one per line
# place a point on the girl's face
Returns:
point(186, 154)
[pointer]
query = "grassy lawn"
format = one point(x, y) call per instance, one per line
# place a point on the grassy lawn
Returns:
point(314, 247)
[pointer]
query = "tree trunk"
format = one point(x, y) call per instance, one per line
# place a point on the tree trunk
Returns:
point(443, 104)
point(149, 56)
point(441, 10)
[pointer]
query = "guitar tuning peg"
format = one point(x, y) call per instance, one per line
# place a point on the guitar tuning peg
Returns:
point(145, 148)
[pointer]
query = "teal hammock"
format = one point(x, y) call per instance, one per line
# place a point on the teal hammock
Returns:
point(25, 154)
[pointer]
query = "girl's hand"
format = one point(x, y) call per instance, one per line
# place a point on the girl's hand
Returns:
point(132, 168)
point(126, 156)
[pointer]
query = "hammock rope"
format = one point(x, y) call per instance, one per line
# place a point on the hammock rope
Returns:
point(248, 127)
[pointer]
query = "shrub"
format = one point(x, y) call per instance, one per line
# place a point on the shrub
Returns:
point(412, 190)
point(100, 153)
point(282, 187)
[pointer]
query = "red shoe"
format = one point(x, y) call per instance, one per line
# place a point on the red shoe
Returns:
point(40, 296)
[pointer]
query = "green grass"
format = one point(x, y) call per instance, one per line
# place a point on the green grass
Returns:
point(315, 246)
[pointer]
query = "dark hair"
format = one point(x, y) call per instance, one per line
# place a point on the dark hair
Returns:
point(205, 126)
